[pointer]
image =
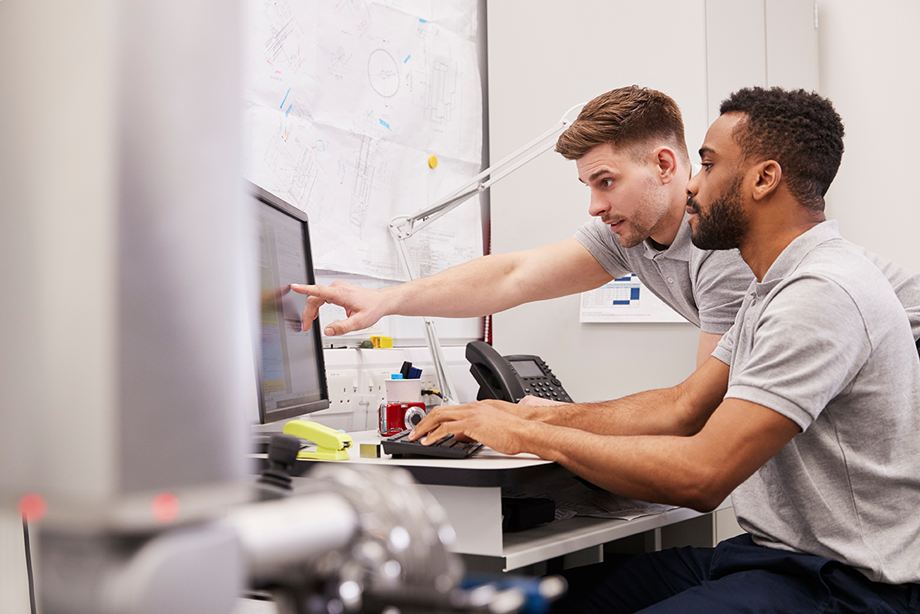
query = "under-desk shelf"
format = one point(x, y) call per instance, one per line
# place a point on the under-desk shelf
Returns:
point(563, 537)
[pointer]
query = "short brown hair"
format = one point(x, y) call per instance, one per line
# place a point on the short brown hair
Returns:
point(625, 118)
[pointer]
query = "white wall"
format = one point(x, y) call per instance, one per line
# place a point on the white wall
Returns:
point(870, 69)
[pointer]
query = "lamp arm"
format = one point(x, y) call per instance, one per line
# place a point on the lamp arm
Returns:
point(403, 227)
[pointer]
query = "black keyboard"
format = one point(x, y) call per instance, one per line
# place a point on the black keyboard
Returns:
point(399, 445)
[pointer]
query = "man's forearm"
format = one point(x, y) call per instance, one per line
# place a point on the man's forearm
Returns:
point(697, 471)
point(498, 282)
point(650, 468)
point(472, 289)
point(654, 412)
point(681, 410)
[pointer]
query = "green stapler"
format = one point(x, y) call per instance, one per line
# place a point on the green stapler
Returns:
point(330, 443)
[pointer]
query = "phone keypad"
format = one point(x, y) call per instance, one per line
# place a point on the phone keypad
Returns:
point(546, 386)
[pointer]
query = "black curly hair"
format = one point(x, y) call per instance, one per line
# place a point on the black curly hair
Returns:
point(799, 129)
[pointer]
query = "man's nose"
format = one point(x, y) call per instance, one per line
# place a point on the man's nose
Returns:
point(597, 205)
point(692, 186)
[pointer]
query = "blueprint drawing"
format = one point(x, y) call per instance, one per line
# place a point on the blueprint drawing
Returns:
point(344, 103)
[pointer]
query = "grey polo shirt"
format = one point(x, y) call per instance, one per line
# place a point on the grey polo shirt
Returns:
point(905, 283)
point(824, 341)
point(705, 287)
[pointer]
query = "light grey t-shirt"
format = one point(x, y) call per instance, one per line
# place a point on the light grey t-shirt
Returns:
point(705, 287)
point(824, 341)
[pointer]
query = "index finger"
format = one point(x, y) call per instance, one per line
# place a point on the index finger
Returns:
point(308, 289)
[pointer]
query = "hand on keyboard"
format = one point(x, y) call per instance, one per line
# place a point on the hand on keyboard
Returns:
point(448, 447)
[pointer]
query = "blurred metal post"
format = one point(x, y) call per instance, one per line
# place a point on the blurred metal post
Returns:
point(123, 315)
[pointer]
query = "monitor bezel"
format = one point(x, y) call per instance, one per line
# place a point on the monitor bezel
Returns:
point(266, 417)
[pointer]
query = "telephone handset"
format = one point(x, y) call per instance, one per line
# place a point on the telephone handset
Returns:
point(511, 378)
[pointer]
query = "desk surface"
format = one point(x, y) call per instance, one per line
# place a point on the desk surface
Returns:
point(485, 468)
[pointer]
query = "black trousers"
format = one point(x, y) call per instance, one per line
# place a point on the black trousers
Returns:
point(735, 576)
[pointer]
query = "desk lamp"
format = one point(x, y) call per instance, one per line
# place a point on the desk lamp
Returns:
point(402, 227)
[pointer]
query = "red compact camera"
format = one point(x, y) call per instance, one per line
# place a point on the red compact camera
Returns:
point(397, 417)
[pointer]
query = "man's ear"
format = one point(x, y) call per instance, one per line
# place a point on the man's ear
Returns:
point(666, 162)
point(767, 176)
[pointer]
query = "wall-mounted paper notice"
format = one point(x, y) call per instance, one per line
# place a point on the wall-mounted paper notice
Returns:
point(625, 299)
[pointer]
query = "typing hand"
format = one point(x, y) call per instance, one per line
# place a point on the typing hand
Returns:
point(481, 421)
point(363, 307)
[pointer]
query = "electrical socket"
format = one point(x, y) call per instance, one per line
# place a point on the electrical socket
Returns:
point(343, 386)
point(429, 382)
point(376, 383)
point(359, 392)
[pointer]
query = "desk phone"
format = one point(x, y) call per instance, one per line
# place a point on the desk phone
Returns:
point(511, 378)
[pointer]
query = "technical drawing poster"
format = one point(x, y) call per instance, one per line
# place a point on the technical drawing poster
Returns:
point(345, 102)
point(625, 299)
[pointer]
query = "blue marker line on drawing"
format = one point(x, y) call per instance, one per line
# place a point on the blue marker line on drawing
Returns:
point(285, 98)
point(288, 112)
point(384, 124)
point(422, 20)
point(407, 58)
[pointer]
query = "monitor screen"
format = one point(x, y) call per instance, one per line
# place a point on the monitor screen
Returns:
point(291, 377)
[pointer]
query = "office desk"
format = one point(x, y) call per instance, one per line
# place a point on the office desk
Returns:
point(470, 492)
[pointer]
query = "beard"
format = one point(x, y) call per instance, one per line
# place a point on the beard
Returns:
point(724, 225)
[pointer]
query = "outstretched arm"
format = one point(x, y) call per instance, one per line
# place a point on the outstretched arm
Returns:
point(480, 287)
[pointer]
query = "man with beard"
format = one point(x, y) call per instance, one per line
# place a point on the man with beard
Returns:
point(805, 413)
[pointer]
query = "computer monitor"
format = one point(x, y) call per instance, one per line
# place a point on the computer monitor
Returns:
point(290, 372)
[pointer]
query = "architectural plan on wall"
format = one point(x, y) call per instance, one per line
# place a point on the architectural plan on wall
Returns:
point(345, 100)
point(625, 299)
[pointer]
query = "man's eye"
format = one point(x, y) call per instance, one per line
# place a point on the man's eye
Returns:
point(706, 165)
point(606, 183)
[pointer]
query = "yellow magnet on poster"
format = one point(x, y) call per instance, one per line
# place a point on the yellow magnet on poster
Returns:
point(432, 161)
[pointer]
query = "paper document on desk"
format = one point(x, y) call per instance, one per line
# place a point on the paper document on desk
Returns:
point(574, 498)
point(603, 504)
